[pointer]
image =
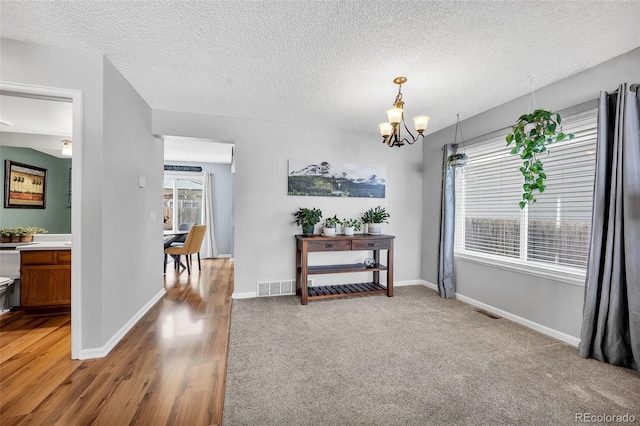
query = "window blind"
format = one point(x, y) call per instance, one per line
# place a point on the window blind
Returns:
point(555, 230)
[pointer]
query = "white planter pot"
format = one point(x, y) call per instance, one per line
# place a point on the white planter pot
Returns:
point(349, 230)
point(374, 228)
point(329, 232)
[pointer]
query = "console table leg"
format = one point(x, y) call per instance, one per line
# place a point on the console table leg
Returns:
point(376, 259)
point(390, 269)
point(304, 255)
point(298, 271)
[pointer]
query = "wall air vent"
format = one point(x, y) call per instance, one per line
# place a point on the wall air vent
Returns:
point(278, 288)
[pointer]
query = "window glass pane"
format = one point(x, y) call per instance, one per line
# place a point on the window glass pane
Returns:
point(168, 205)
point(487, 196)
point(189, 202)
point(560, 221)
point(553, 231)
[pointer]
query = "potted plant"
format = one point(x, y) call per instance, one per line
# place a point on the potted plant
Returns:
point(531, 135)
point(350, 226)
point(374, 218)
point(28, 232)
point(307, 219)
point(6, 234)
point(457, 160)
point(329, 229)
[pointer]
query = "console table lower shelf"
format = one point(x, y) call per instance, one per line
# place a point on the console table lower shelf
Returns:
point(342, 290)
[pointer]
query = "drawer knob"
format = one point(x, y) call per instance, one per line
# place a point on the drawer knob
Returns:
point(371, 245)
point(328, 246)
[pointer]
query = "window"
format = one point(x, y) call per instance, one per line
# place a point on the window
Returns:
point(182, 201)
point(551, 234)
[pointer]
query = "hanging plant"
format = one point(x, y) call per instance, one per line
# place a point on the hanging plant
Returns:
point(457, 160)
point(531, 135)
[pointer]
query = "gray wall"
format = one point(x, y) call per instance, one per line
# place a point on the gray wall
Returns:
point(264, 247)
point(131, 239)
point(121, 263)
point(223, 193)
point(552, 303)
point(56, 216)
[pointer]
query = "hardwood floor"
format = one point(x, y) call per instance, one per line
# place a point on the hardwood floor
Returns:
point(169, 369)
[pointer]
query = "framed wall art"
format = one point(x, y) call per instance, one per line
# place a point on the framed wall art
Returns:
point(321, 178)
point(25, 186)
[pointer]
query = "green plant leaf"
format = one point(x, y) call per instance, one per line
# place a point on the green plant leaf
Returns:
point(522, 204)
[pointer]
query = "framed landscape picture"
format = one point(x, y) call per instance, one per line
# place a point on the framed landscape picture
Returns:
point(24, 186)
point(321, 178)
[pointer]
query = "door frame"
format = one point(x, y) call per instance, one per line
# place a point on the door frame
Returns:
point(76, 98)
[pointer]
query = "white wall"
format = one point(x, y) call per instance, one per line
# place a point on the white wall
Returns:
point(132, 242)
point(264, 242)
point(222, 201)
point(121, 260)
point(551, 303)
point(38, 65)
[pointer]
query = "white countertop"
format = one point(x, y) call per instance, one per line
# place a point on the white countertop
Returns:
point(50, 245)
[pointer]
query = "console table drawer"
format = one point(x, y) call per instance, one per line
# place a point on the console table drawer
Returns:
point(340, 245)
point(370, 245)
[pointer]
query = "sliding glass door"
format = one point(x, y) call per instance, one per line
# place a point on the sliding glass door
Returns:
point(182, 201)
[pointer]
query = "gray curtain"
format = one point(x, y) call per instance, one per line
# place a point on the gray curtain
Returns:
point(611, 322)
point(446, 278)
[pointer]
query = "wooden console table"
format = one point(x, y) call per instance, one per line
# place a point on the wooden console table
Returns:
point(316, 243)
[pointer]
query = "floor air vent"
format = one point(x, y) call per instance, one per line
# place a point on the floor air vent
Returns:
point(277, 288)
point(487, 314)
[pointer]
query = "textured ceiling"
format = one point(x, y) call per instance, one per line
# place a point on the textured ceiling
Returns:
point(332, 63)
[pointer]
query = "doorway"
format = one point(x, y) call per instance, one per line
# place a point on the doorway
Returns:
point(73, 188)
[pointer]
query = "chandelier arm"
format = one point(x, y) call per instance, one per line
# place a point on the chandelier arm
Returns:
point(415, 138)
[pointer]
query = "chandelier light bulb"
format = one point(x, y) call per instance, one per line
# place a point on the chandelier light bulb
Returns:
point(394, 116)
point(421, 123)
point(385, 129)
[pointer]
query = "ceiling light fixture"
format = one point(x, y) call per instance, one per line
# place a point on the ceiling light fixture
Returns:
point(390, 130)
point(67, 148)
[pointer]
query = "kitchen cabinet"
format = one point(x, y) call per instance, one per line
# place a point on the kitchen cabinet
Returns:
point(45, 279)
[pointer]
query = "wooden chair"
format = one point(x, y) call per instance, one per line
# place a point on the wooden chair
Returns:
point(191, 245)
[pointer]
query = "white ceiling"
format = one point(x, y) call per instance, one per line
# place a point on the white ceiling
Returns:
point(332, 62)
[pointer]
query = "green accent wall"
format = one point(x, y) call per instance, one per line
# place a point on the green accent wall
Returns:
point(56, 217)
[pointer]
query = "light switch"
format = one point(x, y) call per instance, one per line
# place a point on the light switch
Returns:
point(142, 182)
point(153, 216)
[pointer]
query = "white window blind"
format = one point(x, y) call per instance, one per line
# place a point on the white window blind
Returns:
point(554, 231)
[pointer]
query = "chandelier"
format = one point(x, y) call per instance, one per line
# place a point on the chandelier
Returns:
point(390, 130)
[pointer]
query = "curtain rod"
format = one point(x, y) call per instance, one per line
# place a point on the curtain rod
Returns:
point(634, 87)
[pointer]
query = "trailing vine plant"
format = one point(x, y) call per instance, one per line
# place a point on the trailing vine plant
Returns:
point(531, 135)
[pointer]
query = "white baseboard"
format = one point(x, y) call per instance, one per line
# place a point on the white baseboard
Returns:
point(115, 339)
point(573, 341)
point(245, 295)
point(415, 282)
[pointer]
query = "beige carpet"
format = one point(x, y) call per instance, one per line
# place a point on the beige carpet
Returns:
point(414, 359)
